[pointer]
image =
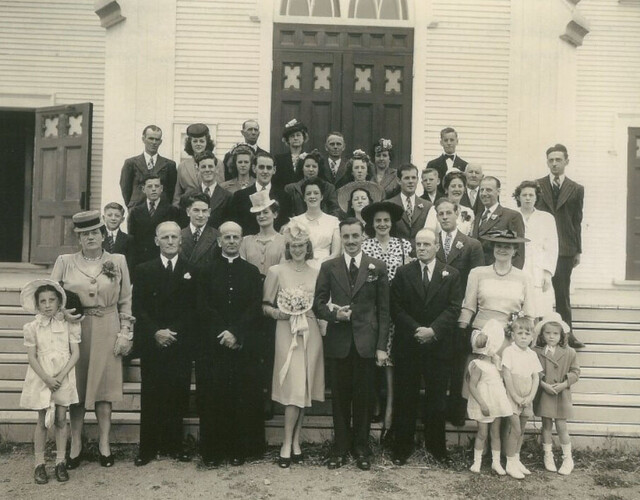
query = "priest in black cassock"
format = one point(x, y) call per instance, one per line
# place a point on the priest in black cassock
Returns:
point(229, 299)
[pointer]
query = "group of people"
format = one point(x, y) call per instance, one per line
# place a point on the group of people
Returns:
point(263, 269)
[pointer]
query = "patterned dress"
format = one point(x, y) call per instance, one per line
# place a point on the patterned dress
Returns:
point(397, 254)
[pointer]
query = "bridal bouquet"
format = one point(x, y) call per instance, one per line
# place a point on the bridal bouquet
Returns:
point(296, 302)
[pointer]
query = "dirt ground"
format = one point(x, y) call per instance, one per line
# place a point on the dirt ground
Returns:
point(604, 475)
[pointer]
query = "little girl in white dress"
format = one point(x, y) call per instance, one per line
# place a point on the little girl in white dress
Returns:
point(487, 402)
point(50, 383)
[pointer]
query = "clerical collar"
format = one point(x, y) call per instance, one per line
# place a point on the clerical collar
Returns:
point(347, 259)
point(165, 261)
point(229, 258)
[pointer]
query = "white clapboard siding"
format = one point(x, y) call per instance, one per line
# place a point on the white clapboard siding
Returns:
point(608, 83)
point(467, 79)
point(56, 48)
point(217, 66)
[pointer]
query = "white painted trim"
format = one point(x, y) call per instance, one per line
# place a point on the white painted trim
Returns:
point(345, 20)
point(630, 118)
point(9, 98)
point(266, 70)
point(419, 10)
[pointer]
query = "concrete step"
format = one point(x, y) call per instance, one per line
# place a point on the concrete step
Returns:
point(606, 314)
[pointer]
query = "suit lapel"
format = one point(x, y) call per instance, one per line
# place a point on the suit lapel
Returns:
point(217, 197)
point(454, 251)
point(415, 276)
point(417, 211)
point(363, 271)
point(204, 243)
point(339, 269)
point(547, 194)
point(434, 284)
point(566, 190)
point(141, 165)
point(492, 221)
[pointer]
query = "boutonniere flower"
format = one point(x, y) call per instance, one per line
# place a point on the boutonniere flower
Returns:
point(459, 245)
point(445, 274)
point(372, 273)
point(110, 270)
point(494, 217)
point(187, 276)
point(420, 205)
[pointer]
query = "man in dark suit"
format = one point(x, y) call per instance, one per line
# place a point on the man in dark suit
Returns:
point(449, 159)
point(250, 131)
point(116, 240)
point(430, 183)
point(352, 294)
point(471, 197)
point(335, 167)
point(425, 305)
point(135, 169)
point(162, 304)
point(462, 253)
point(495, 217)
point(198, 239)
point(564, 199)
point(229, 307)
point(219, 198)
point(415, 208)
point(264, 168)
point(145, 217)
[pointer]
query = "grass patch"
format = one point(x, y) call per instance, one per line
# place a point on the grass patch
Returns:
point(611, 481)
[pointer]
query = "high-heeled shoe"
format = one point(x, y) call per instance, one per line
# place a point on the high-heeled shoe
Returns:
point(283, 462)
point(106, 461)
point(74, 463)
point(297, 458)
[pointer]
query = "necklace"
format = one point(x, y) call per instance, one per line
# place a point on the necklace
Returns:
point(306, 214)
point(504, 274)
point(91, 259)
point(299, 269)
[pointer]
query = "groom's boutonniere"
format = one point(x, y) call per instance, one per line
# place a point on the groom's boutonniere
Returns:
point(445, 274)
point(187, 276)
point(459, 245)
point(420, 205)
point(494, 217)
point(372, 273)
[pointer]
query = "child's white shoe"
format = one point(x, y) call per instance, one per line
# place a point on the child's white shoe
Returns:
point(549, 462)
point(523, 469)
point(476, 467)
point(566, 467)
point(497, 468)
point(513, 469)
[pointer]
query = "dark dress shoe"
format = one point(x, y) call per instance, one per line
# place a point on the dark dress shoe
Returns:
point(40, 475)
point(61, 472)
point(74, 463)
point(444, 459)
point(212, 463)
point(106, 461)
point(363, 463)
point(297, 458)
point(141, 460)
point(398, 460)
point(237, 461)
point(181, 456)
point(283, 462)
point(336, 462)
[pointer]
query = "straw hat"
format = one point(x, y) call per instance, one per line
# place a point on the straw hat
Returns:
point(504, 236)
point(260, 200)
point(552, 317)
point(86, 221)
point(344, 193)
point(27, 295)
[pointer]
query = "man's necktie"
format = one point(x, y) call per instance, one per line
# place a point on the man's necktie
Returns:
point(447, 245)
point(556, 186)
point(485, 216)
point(409, 209)
point(196, 235)
point(450, 157)
point(150, 165)
point(334, 167)
point(110, 242)
point(169, 267)
point(152, 209)
point(425, 279)
point(472, 196)
point(264, 188)
point(207, 191)
point(353, 271)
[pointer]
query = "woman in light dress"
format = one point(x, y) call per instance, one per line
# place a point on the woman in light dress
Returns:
point(541, 252)
point(298, 374)
point(323, 228)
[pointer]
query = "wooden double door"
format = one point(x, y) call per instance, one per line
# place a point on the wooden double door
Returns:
point(356, 80)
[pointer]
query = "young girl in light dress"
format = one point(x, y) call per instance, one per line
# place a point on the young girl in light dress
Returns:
point(553, 401)
point(520, 371)
point(50, 384)
point(488, 401)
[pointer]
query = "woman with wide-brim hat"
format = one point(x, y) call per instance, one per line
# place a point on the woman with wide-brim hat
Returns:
point(198, 141)
point(379, 218)
point(101, 281)
point(359, 177)
point(294, 136)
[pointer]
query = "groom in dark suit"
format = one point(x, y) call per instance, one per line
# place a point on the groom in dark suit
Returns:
point(564, 199)
point(463, 253)
point(136, 169)
point(495, 217)
point(162, 304)
point(425, 304)
point(352, 294)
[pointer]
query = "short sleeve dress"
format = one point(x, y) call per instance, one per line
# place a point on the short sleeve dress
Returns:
point(397, 254)
point(106, 296)
point(321, 232)
point(299, 364)
point(492, 390)
point(522, 364)
point(51, 338)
